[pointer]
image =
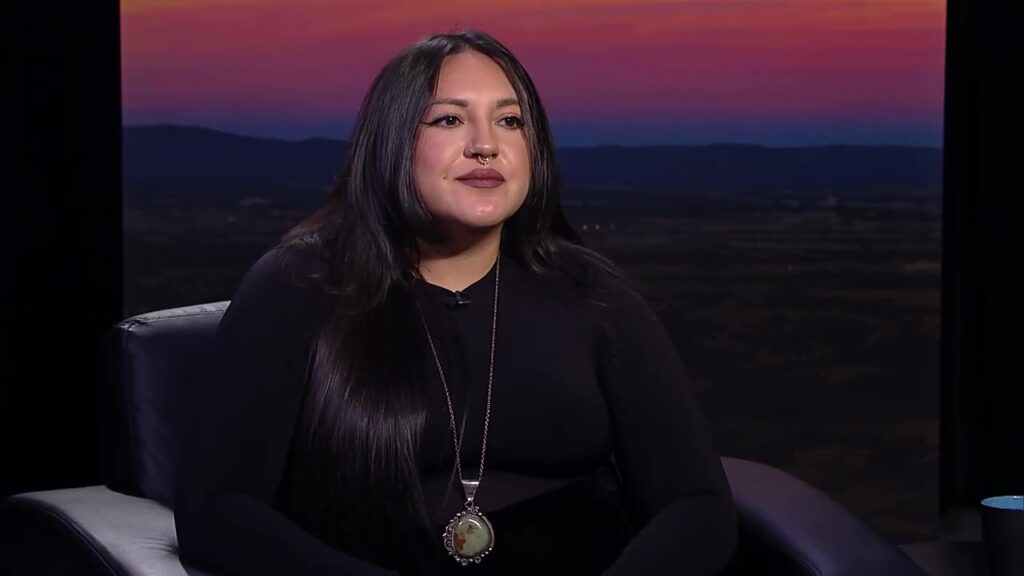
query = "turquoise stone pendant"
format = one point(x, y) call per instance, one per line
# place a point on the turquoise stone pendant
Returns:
point(469, 536)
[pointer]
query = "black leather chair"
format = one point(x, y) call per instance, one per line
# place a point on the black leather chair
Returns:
point(157, 370)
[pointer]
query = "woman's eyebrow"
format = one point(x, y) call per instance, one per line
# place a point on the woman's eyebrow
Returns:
point(504, 102)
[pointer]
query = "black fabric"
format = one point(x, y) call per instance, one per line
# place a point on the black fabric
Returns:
point(579, 386)
point(577, 529)
point(982, 310)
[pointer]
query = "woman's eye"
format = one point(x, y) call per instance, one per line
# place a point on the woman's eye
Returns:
point(512, 122)
point(447, 120)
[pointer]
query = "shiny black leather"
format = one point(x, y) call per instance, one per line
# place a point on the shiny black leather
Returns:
point(157, 368)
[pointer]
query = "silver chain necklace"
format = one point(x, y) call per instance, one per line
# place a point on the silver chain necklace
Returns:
point(469, 535)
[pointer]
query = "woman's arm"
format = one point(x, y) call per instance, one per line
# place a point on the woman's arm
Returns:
point(232, 467)
point(673, 480)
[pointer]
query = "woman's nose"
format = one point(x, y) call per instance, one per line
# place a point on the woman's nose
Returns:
point(482, 142)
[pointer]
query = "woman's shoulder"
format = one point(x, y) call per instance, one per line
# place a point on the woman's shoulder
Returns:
point(284, 279)
point(288, 266)
point(623, 314)
point(601, 282)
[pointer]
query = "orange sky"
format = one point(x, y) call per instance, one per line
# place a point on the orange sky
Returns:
point(760, 67)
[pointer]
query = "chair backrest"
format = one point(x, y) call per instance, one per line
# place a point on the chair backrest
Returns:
point(157, 365)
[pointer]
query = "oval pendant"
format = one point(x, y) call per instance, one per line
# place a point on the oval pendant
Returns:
point(469, 536)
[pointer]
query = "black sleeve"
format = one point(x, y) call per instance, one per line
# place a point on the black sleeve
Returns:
point(673, 480)
point(230, 470)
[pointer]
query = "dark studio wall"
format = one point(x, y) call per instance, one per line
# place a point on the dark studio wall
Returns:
point(61, 206)
point(983, 381)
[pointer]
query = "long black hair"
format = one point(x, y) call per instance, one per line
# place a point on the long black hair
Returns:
point(366, 404)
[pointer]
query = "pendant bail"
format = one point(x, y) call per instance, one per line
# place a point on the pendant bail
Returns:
point(469, 487)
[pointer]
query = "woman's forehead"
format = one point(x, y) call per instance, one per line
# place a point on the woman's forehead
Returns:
point(471, 77)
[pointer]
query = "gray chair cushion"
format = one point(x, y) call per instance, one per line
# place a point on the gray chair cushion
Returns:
point(789, 527)
point(115, 533)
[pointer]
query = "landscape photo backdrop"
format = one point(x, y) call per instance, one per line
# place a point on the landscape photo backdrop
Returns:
point(768, 172)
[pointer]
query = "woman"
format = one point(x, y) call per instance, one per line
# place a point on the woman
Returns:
point(440, 295)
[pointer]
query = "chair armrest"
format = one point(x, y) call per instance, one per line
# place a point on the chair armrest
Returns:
point(91, 530)
point(790, 527)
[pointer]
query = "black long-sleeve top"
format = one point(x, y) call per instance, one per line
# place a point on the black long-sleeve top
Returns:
point(598, 458)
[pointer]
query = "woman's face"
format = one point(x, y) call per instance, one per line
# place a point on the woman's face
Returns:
point(473, 116)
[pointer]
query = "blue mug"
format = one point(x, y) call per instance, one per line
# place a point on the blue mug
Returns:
point(1002, 522)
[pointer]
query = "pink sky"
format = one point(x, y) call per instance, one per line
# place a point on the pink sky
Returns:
point(761, 71)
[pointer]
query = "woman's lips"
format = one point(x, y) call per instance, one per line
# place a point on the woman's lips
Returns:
point(482, 178)
point(481, 182)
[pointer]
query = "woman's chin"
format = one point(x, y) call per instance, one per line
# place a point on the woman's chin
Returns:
point(475, 226)
point(482, 220)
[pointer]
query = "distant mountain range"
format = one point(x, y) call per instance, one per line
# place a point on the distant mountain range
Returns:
point(163, 157)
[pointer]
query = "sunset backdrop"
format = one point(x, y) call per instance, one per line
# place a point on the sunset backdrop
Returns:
point(778, 73)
